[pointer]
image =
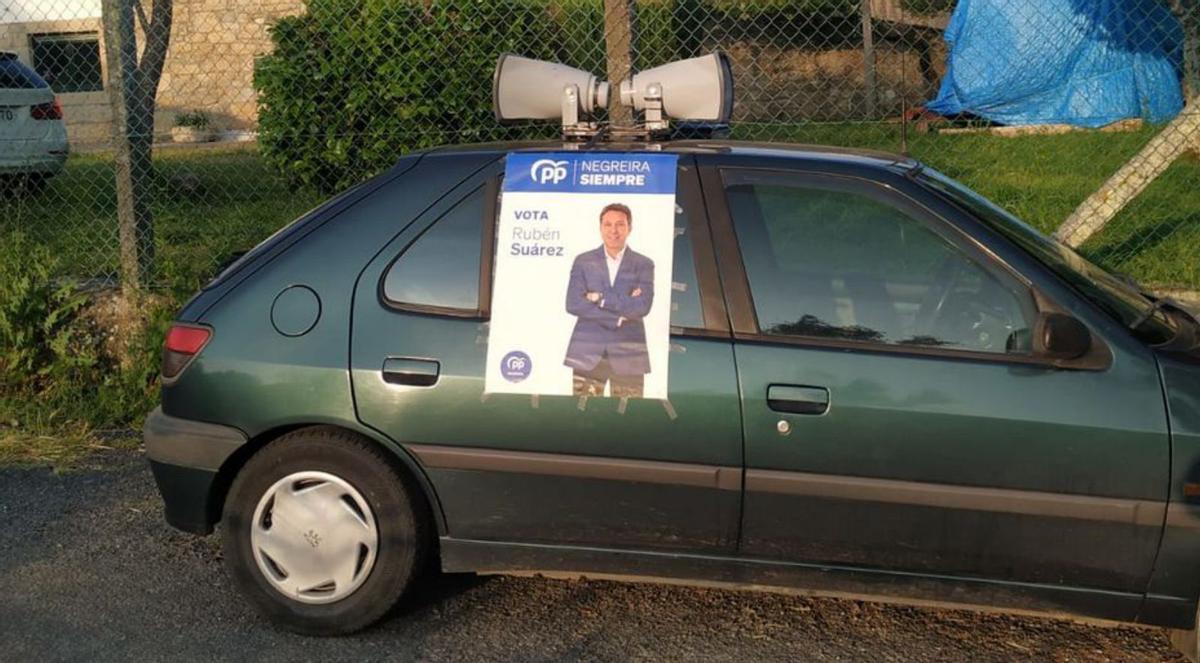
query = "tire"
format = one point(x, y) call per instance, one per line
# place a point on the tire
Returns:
point(301, 487)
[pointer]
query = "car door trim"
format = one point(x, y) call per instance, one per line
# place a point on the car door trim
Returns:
point(579, 467)
point(1102, 361)
point(522, 558)
point(712, 294)
point(1142, 513)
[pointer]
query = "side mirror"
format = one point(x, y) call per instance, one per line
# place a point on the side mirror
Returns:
point(1060, 336)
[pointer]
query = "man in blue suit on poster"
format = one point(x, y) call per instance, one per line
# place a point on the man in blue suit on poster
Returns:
point(611, 290)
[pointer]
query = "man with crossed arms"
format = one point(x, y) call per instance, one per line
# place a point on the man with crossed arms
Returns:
point(611, 290)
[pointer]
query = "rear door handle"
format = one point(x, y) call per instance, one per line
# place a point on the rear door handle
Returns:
point(411, 372)
point(798, 399)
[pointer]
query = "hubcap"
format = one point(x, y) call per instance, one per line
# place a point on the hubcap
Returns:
point(314, 537)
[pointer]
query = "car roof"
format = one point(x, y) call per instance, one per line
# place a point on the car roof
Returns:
point(812, 153)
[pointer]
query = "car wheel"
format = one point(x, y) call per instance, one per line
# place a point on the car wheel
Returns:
point(322, 533)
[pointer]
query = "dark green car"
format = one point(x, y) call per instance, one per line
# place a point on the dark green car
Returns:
point(880, 385)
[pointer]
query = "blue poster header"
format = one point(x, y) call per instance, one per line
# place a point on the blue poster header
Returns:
point(592, 172)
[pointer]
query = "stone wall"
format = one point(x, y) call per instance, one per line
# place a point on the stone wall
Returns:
point(209, 67)
point(87, 113)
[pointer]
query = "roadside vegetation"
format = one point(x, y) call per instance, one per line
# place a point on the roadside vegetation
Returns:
point(79, 362)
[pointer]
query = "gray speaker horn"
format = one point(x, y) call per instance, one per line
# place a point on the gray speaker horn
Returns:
point(527, 89)
point(699, 89)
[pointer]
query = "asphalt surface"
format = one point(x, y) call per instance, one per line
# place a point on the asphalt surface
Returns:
point(89, 571)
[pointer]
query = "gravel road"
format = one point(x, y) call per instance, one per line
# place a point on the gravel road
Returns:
point(89, 571)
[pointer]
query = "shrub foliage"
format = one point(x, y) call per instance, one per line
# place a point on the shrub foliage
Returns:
point(56, 370)
point(40, 337)
point(352, 84)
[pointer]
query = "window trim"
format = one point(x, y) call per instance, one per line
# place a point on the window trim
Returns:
point(433, 309)
point(740, 301)
point(80, 36)
point(488, 247)
point(715, 317)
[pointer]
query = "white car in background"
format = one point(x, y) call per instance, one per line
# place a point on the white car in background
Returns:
point(33, 138)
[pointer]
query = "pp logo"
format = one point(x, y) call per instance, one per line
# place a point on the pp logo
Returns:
point(516, 366)
point(548, 171)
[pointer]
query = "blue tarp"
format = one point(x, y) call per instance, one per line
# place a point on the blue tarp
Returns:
point(1083, 62)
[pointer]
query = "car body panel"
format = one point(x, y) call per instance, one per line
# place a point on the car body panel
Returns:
point(1177, 574)
point(586, 451)
point(279, 242)
point(254, 378)
point(808, 579)
point(1046, 492)
point(945, 464)
point(28, 145)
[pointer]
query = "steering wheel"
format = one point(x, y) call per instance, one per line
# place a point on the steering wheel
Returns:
point(976, 320)
point(933, 304)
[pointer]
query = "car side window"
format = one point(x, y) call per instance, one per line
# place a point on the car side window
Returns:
point(441, 268)
point(837, 264)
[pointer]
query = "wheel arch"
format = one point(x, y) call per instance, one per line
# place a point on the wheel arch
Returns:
point(404, 462)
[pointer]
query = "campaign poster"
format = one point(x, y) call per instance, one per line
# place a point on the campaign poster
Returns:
point(581, 299)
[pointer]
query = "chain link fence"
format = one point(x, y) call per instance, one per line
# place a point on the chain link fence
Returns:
point(148, 140)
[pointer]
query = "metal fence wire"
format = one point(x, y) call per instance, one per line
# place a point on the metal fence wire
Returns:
point(220, 121)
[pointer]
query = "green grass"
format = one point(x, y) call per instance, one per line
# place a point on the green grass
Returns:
point(1042, 179)
point(209, 203)
point(206, 204)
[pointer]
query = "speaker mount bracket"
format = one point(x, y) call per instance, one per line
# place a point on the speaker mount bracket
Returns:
point(572, 127)
point(653, 118)
point(654, 125)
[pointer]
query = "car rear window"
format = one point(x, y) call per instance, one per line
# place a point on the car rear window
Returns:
point(16, 76)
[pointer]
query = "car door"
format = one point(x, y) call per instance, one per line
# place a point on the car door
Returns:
point(894, 416)
point(642, 474)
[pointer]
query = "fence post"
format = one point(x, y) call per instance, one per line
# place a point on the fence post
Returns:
point(618, 41)
point(1133, 178)
point(868, 30)
point(1188, 13)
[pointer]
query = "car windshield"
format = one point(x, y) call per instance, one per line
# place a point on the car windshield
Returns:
point(1119, 297)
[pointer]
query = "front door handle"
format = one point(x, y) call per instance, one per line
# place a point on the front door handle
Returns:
point(411, 372)
point(798, 399)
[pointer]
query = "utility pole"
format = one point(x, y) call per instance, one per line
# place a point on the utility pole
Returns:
point(619, 18)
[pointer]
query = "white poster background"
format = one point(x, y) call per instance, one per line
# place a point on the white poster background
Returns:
point(529, 293)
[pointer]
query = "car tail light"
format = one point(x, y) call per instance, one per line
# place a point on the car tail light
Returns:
point(51, 110)
point(183, 343)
